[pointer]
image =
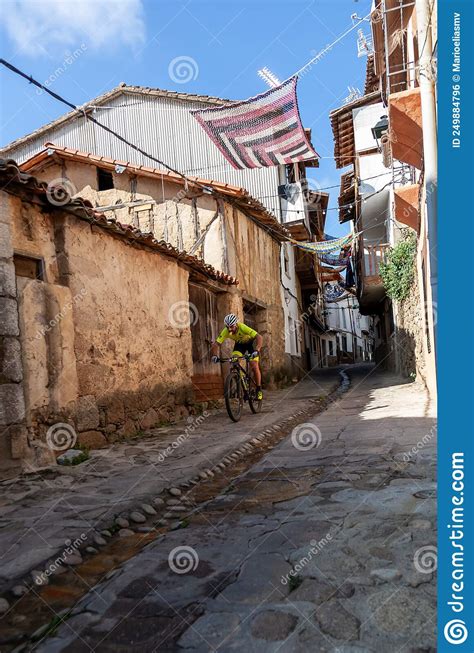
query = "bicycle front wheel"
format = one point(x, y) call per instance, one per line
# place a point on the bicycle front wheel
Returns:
point(233, 396)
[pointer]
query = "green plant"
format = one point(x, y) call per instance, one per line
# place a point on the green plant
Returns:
point(398, 270)
point(80, 458)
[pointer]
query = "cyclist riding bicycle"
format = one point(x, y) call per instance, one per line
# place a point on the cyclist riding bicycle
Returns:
point(244, 337)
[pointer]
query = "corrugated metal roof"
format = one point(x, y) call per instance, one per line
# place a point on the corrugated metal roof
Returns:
point(11, 175)
point(159, 122)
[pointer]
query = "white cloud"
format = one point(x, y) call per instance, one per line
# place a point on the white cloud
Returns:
point(45, 27)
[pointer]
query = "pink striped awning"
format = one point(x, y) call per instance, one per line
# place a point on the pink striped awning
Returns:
point(263, 131)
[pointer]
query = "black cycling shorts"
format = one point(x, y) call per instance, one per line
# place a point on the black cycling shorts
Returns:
point(244, 347)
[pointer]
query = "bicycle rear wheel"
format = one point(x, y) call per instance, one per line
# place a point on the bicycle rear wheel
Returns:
point(233, 396)
point(254, 403)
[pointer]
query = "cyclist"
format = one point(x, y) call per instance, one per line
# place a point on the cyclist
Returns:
point(244, 338)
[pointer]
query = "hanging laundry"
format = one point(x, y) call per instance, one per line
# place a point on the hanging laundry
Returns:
point(324, 246)
point(334, 292)
point(350, 279)
point(329, 259)
point(263, 131)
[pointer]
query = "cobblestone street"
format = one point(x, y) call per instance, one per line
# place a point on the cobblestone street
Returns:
point(327, 543)
point(39, 511)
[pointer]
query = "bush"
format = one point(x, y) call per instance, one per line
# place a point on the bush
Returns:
point(398, 270)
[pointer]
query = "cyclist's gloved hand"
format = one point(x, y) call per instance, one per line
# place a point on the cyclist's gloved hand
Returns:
point(255, 354)
point(215, 359)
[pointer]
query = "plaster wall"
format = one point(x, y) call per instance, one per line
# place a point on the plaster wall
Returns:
point(100, 347)
point(233, 243)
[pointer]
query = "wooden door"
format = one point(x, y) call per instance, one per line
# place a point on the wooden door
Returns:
point(207, 379)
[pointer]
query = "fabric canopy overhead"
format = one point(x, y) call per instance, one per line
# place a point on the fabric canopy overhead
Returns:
point(324, 246)
point(329, 259)
point(263, 131)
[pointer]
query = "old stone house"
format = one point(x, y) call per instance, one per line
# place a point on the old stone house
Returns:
point(219, 223)
point(96, 337)
point(162, 122)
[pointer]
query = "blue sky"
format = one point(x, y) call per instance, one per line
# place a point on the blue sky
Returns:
point(86, 47)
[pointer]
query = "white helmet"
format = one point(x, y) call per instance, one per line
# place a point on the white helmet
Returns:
point(230, 320)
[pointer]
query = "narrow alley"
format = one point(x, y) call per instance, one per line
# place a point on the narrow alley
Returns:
point(326, 543)
point(219, 356)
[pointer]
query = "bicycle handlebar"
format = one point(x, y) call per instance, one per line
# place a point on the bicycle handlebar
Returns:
point(232, 359)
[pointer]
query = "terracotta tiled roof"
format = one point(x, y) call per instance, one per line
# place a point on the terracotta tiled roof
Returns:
point(121, 89)
point(239, 196)
point(11, 176)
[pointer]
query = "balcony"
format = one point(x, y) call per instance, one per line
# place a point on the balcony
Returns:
point(374, 255)
point(370, 289)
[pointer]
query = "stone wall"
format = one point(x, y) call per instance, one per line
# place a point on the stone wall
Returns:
point(234, 243)
point(12, 404)
point(410, 332)
point(93, 343)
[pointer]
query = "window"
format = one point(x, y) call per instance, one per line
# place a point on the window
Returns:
point(344, 343)
point(253, 314)
point(331, 348)
point(28, 266)
point(105, 179)
point(286, 261)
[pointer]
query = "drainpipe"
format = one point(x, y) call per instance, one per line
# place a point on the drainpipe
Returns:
point(430, 148)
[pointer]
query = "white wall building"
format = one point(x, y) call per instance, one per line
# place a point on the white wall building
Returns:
point(350, 335)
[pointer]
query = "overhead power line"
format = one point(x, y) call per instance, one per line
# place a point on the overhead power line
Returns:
point(87, 116)
point(272, 80)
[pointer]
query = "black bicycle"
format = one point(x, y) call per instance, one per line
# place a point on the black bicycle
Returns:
point(239, 386)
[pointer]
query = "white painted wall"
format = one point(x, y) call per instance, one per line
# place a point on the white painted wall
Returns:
point(347, 321)
point(364, 118)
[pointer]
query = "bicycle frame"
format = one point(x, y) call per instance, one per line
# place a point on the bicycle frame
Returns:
point(245, 382)
point(244, 372)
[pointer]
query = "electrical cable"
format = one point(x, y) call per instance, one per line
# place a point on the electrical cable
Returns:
point(82, 110)
point(186, 179)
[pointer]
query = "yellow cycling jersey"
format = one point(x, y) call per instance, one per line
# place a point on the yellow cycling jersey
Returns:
point(243, 334)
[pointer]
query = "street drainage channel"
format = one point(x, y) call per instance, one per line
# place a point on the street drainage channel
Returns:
point(41, 608)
